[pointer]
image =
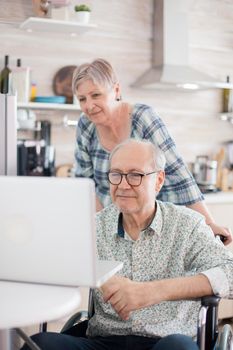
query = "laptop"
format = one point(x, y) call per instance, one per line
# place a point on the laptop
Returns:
point(47, 232)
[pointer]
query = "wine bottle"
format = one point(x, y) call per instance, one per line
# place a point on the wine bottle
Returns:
point(5, 77)
point(226, 97)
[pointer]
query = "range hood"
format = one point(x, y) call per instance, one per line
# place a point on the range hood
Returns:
point(170, 64)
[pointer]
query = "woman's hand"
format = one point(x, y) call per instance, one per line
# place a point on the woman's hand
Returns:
point(217, 230)
point(223, 231)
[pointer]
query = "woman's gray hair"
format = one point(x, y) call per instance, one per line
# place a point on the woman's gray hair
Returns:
point(99, 71)
point(158, 157)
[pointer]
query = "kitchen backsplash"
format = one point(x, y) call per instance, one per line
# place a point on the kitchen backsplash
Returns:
point(123, 36)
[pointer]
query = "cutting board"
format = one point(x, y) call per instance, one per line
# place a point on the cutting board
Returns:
point(62, 82)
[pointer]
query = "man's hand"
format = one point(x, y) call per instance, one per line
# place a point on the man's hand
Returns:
point(124, 295)
point(223, 231)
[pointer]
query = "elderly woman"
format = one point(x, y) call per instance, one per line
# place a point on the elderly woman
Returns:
point(107, 120)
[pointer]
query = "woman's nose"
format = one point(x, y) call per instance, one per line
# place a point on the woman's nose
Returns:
point(89, 105)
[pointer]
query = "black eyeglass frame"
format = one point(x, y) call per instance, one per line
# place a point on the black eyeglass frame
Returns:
point(126, 176)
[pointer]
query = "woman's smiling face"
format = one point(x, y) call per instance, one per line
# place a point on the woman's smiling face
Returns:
point(96, 101)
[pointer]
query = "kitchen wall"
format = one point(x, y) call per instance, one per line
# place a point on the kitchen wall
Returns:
point(123, 36)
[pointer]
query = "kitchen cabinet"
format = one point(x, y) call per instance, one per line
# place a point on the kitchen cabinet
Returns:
point(221, 207)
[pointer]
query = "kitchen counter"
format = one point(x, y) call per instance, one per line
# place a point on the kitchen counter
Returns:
point(219, 197)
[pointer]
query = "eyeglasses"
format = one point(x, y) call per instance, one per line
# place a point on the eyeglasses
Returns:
point(133, 179)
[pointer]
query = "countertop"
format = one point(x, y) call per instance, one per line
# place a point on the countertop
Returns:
point(219, 197)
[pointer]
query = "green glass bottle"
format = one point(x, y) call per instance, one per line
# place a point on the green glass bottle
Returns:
point(226, 97)
point(5, 77)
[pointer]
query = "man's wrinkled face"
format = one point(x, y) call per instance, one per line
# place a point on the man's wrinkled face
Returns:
point(132, 159)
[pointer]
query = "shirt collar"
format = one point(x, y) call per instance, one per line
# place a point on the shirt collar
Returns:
point(120, 228)
point(156, 224)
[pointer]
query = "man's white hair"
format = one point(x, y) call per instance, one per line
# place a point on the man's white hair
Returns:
point(157, 155)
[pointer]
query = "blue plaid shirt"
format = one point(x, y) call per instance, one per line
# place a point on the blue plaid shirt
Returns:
point(93, 160)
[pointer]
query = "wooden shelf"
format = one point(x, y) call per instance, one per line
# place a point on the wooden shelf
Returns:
point(49, 106)
point(52, 25)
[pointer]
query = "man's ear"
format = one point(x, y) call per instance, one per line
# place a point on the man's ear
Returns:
point(159, 180)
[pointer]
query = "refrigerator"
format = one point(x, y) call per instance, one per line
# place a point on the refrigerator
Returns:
point(8, 134)
point(8, 166)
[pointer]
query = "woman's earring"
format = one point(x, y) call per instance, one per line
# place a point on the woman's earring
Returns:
point(118, 98)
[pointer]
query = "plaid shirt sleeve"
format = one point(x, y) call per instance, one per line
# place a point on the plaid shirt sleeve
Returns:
point(83, 166)
point(180, 186)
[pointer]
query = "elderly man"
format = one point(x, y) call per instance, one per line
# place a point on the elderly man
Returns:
point(169, 255)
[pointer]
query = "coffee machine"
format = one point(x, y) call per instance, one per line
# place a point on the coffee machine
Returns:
point(36, 155)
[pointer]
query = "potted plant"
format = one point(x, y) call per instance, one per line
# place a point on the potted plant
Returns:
point(82, 13)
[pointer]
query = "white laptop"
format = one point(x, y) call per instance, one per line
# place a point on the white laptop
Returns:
point(47, 232)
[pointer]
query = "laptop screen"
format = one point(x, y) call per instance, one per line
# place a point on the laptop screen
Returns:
point(47, 230)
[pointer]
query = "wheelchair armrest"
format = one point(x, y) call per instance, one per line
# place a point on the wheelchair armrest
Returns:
point(208, 322)
point(210, 300)
point(76, 318)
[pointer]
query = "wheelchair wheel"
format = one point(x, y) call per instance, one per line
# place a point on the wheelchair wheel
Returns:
point(225, 341)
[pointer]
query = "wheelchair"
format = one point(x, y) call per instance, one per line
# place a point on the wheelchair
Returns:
point(208, 335)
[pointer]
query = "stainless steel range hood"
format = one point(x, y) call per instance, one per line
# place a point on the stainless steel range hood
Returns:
point(170, 67)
